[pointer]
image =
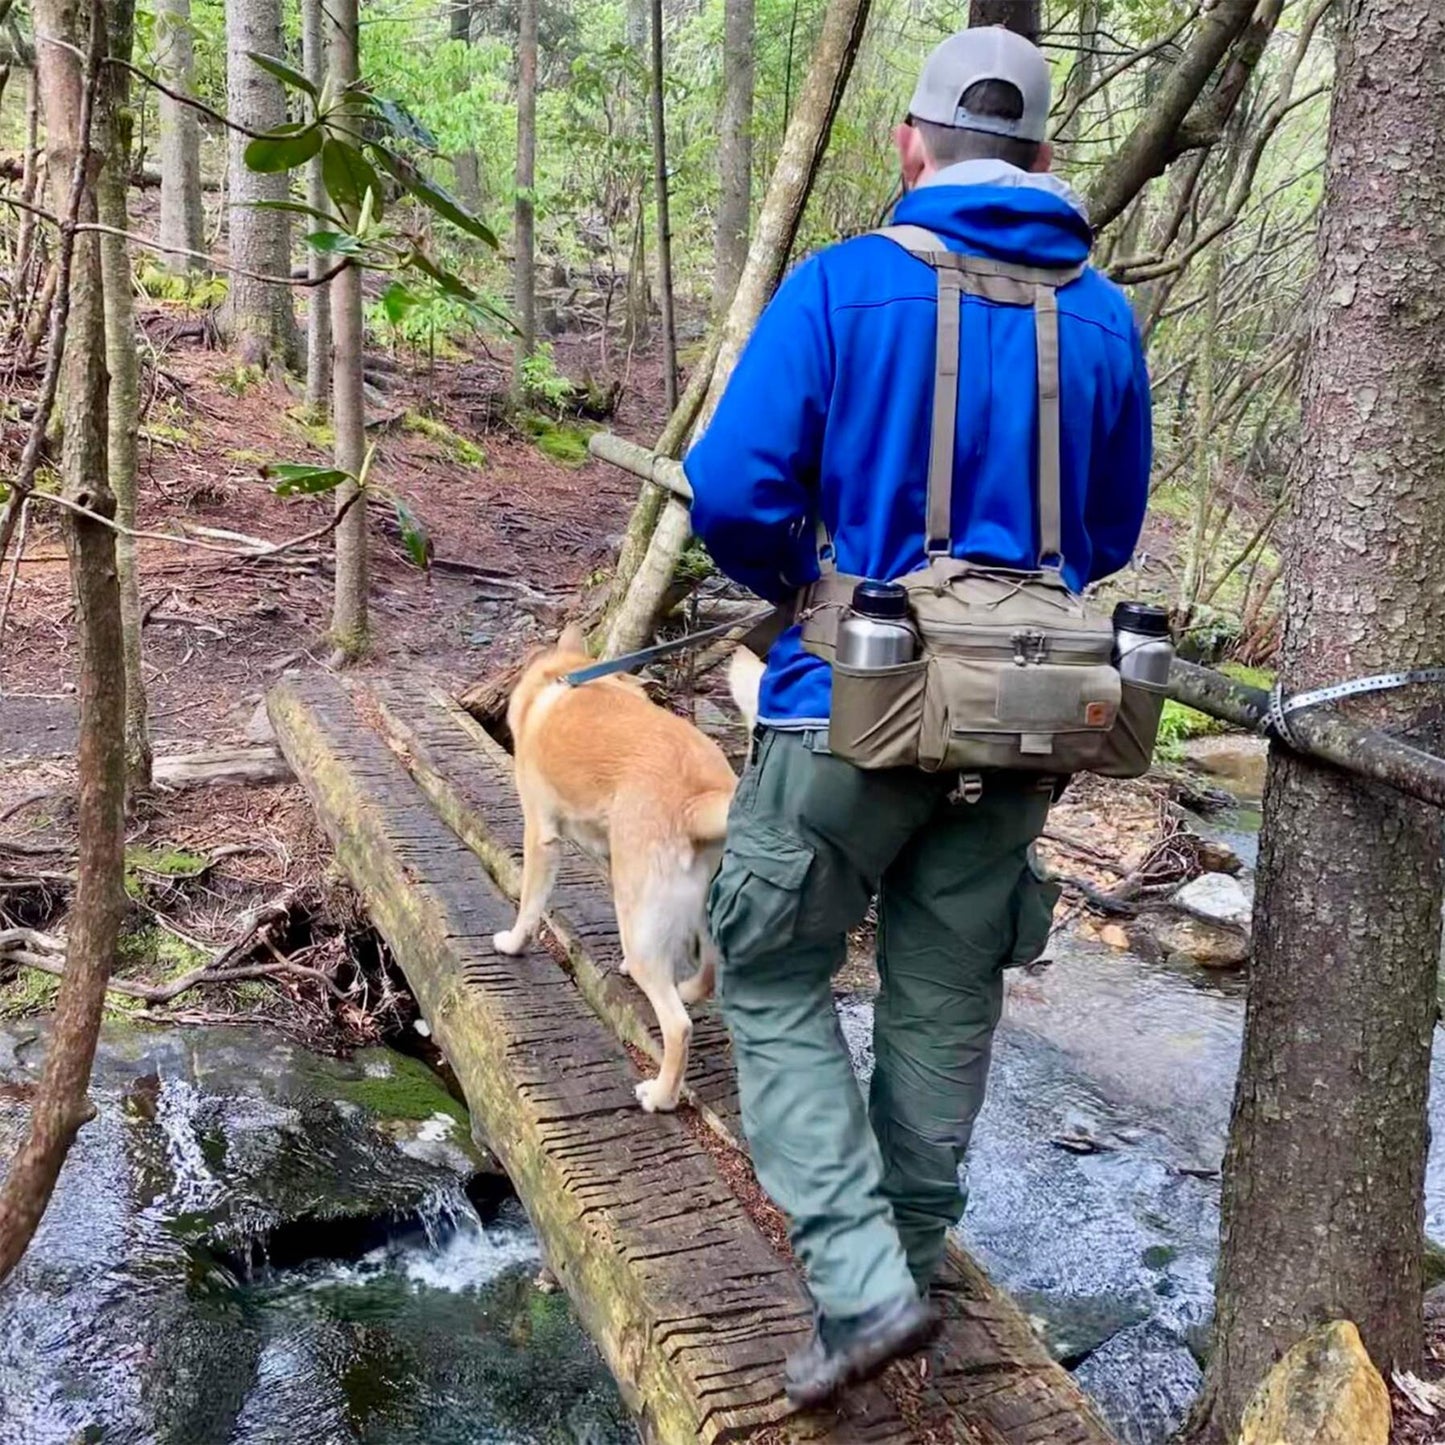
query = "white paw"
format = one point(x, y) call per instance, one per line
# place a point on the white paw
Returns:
point(623, 969)
point(511, 942)
point(654, 1099)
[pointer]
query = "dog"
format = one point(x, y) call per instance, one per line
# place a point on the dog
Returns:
point(646, 793)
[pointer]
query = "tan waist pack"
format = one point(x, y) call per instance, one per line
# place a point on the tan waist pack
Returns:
point(1013, 670)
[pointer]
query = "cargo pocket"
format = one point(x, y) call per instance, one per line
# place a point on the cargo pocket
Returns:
point(755, 898)
point(1128, 746)
point(1033, 913)
point(876, 714)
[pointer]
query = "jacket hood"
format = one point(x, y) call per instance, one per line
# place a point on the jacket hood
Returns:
point(987, 208)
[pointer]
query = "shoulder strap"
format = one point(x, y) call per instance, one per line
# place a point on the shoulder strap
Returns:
point(1009, 285)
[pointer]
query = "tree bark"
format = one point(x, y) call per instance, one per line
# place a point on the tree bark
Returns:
point(69, 30)
point(635, 599)
point(465, 165)
point(349, 623)
point(735, 153)
point(182, 222)
point(123, 362)
point(257, 318)
point(1322, 1207)
point(1021, 16)
point(318, 298)
point(664, 224)
point(523, 281)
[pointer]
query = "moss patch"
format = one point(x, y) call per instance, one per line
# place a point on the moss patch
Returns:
point(408, 1090)
point(562, 442)
point(241, 379)
point(316, 429)
point(456, 446)
point(141, 863)
point(29, 992)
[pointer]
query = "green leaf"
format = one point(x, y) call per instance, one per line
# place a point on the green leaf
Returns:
point(283, 73)
point(413, 536)
point(348, 175)
point(4, 491)
point(452, 285)
point(285, 148)
point(334, 243)
point(403, 124)
point(294, 207)
point(298, 479)
point(397, 300)
point(436, 197)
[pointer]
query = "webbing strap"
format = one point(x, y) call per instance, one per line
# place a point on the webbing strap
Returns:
point(1051, 505)
point(937, 539)
point(1009, 285)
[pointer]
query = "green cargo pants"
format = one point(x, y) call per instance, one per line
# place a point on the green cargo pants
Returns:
point(870, 1193)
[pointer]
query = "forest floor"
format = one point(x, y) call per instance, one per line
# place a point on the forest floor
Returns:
point(522, 524)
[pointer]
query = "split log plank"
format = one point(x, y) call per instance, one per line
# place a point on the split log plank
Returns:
point(989, 1368)
point(693, 1310)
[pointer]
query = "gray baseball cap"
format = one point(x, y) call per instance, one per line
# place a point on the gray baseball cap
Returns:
point(984, 52)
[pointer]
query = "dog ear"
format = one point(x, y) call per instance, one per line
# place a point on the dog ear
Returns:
point(573, 639)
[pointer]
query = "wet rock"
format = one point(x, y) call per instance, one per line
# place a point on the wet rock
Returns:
point(1216, 856)
point(1325, 1391)
point(1114, 936)
point(1238, 760)
point(1217, 898)
point(1144, 1378)
point(1182, 938)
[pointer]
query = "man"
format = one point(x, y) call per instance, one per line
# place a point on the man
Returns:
point(827, 419)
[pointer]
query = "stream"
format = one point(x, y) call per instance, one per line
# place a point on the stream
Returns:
point(252, 1245)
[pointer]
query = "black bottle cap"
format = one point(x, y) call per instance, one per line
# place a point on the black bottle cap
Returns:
point(1142, 618)
point(884, 600)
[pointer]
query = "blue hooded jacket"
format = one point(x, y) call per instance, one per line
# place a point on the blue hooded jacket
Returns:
point(829, 407)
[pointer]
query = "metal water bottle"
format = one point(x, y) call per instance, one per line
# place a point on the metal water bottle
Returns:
point(877, 631)
point(1143, 648)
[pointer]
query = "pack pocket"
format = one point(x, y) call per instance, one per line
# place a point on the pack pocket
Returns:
point(877, 713)
point(1033, 909)
point(1128, 747)
point(755, 898)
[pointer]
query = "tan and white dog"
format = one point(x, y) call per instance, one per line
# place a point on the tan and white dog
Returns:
point(644, 791)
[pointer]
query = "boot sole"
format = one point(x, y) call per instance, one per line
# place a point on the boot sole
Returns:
point(866, 1361)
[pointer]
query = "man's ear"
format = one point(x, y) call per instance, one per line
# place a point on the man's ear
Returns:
point(573, 639)
point(912, 158)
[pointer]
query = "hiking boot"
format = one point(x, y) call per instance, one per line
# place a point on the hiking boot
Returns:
point(856, 1348)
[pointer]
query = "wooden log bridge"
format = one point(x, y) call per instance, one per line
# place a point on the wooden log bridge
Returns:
point(691, 1304)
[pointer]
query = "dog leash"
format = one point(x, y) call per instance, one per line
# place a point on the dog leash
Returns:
point(756, 633)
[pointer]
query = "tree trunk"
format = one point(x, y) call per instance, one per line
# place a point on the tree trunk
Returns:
point(257, 318)
point(1021, 16)
point(664, 225)
point(1322, 1208)
point(182, 222)
point(123, 362)
point(635, 599)
point(348, 405)
point(60, 1106)
point(465, 165)
point(523, 283)
point(318, 298)
point(735, 153)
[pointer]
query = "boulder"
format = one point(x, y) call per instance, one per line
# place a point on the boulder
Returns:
point(1217, 898)
point(1325, 1391)
point(1198, 940)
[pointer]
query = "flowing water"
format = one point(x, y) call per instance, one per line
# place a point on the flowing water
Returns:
point(239, 1253)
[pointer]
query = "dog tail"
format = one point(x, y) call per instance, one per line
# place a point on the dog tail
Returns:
point(705, 815)
point(745, 679)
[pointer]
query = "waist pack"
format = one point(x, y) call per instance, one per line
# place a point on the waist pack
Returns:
point(1013, 669)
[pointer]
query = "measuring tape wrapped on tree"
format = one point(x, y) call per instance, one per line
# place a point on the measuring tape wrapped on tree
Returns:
point(1276, 719)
